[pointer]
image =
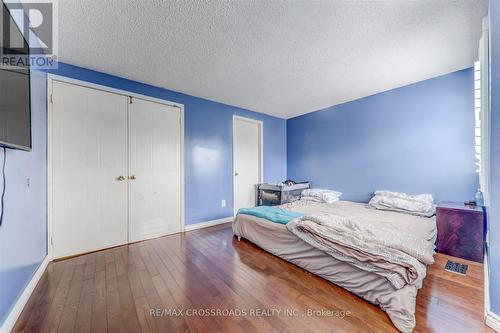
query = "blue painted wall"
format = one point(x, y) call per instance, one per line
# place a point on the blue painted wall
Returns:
point(208, 172)
point(494, 209)
point(23, 240)
point(207, 143)
point(418, 138)
point(350, 147)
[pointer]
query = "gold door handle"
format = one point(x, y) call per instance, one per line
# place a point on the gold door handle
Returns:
point(120, 178)
point(133, 177)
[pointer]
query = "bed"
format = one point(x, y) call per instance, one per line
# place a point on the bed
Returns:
point(399, 303)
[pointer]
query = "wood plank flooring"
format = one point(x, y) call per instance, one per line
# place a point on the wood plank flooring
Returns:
point(208, 270)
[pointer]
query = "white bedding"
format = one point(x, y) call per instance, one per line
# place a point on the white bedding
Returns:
point(375, 288)
point(421, 204)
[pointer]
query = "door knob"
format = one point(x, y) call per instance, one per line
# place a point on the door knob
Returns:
point(236, 174)
point(132, 177)
point(120, 178)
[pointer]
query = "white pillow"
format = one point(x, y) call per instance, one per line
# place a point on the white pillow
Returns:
point(424, 197)
point(320, 195)
point(421, 204)
point(330, 197)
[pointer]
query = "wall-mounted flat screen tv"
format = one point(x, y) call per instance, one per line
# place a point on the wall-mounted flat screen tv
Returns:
point(15, 113)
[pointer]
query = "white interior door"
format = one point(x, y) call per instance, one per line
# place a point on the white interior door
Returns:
point(89, 169)
point(247, 161)
point(155, 170)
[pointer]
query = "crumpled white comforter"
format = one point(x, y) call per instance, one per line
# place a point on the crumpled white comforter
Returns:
point(396, 255)
point(421, 205)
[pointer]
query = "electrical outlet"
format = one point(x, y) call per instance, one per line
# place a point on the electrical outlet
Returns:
point(223, 203)
point(28, 182)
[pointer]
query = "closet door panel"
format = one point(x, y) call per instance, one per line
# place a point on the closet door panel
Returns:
point(89, 153)
point(154, 168)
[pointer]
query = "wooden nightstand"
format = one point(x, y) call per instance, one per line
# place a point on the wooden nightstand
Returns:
point(460, 230)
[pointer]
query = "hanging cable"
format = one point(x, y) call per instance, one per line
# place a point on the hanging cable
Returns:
point(3, 184)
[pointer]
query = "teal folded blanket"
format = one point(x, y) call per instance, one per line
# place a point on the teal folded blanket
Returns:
point(273, 214)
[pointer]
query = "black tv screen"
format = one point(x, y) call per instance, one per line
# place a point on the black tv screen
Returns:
point(15, 113)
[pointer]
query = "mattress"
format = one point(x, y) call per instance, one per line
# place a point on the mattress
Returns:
point(399, 304)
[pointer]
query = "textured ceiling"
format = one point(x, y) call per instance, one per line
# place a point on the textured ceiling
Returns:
point(276, 57)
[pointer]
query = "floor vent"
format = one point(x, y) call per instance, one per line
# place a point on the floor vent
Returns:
point(455, 267)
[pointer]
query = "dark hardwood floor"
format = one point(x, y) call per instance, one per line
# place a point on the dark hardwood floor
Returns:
point(114, 291)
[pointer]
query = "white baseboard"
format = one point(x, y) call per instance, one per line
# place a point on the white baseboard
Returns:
point(493, 321)
point(207, 224)
point(14, 314)
point(486, 276)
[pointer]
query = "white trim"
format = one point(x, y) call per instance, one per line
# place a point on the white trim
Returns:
point(87, 84)
point(485, 112)
point(50, 244)
point(207, 224)
point(493, 321)
point(261, 150)
point(486, 284)
point(16, 311)
point(50, 79)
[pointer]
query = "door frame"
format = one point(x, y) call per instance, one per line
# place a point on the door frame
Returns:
point(261, 151)
point(51, 78)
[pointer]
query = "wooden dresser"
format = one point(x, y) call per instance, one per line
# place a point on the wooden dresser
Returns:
point(460, 230)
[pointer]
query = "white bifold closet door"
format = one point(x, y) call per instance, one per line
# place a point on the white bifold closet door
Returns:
point(115, 169)
point(154, 168)
point(89, 169)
